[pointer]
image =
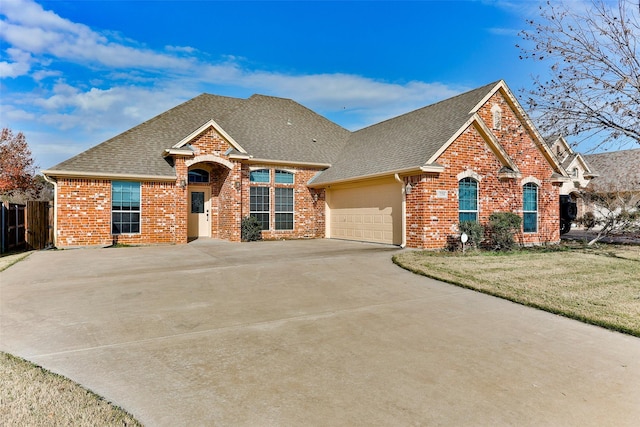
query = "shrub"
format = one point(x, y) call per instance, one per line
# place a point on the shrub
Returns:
point(474, 230)
point(251, 229)
point(502, 229)
point(588, 220)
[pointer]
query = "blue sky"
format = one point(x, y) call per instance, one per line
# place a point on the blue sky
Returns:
point(75, 73)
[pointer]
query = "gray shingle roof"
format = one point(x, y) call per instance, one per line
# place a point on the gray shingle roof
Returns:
point(403, 142)
point(280, 129)
point(617, 170)
point(266, 127)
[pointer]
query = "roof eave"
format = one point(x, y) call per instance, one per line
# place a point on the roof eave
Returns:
point(429, 168)
point(105, 175)
point(253, 160)
point(177, 152)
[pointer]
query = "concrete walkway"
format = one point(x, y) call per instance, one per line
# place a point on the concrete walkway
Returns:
point(306, 333)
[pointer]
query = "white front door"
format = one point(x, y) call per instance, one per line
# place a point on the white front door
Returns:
point(199, 212)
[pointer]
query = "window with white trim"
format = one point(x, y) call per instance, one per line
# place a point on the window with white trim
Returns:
point(283, 206)
point(125, 207)
point(530, 208)
point(259, 200)
point(467, 200)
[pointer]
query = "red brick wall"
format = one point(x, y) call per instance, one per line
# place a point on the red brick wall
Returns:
point(84, 206)
point(309, 216)
point(84, 213)
point(432, 219)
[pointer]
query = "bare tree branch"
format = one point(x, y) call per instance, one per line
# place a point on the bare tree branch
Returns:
point(594, 84)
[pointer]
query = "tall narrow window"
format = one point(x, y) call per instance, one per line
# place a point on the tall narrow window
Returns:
point(259, 205)
point(284, 208)
point(468, 200)
point(125, 207)
point(530, 208)
point(259, 201)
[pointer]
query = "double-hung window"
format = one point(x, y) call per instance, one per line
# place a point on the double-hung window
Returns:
point(468, 200)
point(530, 208)
point(259, 202)
point(125, 207)
point(283, 200)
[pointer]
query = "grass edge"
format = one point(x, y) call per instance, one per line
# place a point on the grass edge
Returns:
point(595, 322)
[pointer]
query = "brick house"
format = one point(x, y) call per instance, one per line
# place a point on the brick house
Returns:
point(197, 169)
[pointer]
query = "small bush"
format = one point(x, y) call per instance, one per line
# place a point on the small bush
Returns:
point(502, 229)
point(588, 220)
point(251, 229)
point(474, 230)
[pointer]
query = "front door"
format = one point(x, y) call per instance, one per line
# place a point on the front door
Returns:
point(199, 212)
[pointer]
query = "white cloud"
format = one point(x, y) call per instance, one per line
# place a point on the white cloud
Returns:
point(125, 83)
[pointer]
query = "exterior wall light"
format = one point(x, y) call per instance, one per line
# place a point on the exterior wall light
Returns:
point(408, 188)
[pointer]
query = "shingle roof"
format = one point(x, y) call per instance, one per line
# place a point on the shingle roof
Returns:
point(266, 127)
point(618, 170)
point(139, 150)
point(273, 128)
point(403, 142)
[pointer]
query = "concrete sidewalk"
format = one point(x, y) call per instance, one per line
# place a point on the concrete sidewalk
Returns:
point(317, 332)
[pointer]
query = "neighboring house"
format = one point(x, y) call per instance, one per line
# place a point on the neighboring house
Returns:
point(576, 167)
point(618, 183)
point(618, 171)
point(199, 168)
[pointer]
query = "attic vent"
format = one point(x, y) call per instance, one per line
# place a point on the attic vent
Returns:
point(496, 116)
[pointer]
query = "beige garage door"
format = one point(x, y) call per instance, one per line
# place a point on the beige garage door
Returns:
point(370, 212)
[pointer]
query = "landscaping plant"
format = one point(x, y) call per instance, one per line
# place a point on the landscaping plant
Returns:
point(502, 229)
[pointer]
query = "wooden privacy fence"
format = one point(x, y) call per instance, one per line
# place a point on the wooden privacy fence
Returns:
point(13, 227)
point(39, 225)
point(26, 227)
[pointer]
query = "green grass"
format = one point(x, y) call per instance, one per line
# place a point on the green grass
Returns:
point(599, 285)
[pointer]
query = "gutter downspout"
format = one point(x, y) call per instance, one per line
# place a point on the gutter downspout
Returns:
point(404, 211)
point(55, 208)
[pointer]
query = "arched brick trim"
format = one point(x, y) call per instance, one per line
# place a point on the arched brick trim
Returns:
point(209, 158)
point(531, 179)
point(469, 174)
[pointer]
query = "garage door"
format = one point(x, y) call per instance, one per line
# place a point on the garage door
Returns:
point(370, 212)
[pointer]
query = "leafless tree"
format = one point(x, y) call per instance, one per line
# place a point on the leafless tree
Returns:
point(612, 211)
point(594, 85)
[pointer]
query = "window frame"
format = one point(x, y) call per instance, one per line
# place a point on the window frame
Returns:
point(278, 212)
point(129, 211)
point(198, 173)
point(529, 212)
point(476, 211)
point(259, 214)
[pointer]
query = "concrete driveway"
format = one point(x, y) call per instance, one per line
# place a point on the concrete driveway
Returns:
point(317, 332)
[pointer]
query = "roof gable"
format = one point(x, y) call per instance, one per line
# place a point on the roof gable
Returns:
point(405, 142)
point(259, 127)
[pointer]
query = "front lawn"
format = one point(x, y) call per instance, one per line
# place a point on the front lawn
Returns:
point(598, 285)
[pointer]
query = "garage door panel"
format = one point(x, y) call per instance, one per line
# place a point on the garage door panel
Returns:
point(368, 212)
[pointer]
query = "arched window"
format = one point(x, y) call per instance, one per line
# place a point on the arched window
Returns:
point(530, 208)
point(467, 200)
point(198, 176)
